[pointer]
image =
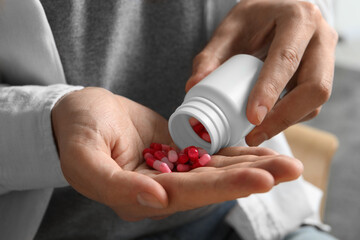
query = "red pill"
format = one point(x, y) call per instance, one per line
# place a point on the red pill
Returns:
point(195, 165)
point(198, 128)
point(159, 155)
point(187, 149)
point(205, 136)
point(193, 154)
point(148, 150)
point(183, 158)
point(183, 167)
point(156, 146)
point(150, 161)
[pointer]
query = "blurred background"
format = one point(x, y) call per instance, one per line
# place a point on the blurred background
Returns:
point(341, 116)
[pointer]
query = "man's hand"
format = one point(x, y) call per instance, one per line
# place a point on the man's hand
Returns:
point(298, 48)
point(100, 138)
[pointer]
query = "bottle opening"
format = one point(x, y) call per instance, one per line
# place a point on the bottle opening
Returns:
point(200, 123)
point(199, 129)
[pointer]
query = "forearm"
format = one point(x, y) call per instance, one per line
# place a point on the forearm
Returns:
point(28, 156)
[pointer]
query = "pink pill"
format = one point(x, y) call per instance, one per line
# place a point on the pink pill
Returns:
point(204, 159)
point(202, 152)
point(182, 167)
point(170, 164)
point(147, 155)
point(173, 156)
point(161, 166)
point(159, 155)
point(165, 148)
point(148, 150)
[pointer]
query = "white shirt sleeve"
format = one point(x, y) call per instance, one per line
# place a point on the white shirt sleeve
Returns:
point(29, 58)
point(274, 214)
point(28, 155)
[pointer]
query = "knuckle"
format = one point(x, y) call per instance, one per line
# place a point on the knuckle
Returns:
point(272, 90)
point(311, 10)
point(290, 57)
point(333, 35)
point(296, 10)
point(205, 62)
point(285, 123)
point(323, 91)
point(277, 161)
point(305, 13)
point(198, 58)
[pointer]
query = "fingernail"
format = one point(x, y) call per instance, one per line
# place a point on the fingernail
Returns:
point(148, 200)
point(261, 113)
point(258, 138)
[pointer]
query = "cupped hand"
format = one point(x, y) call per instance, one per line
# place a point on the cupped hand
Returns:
point(100, 138)
point(297, 46)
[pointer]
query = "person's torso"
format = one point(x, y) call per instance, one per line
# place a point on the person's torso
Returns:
point(139, 49)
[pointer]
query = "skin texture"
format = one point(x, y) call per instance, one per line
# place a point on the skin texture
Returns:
point(297, 47)
point(100, 138)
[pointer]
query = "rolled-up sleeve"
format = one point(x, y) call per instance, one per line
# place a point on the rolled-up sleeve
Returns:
point(28, 155)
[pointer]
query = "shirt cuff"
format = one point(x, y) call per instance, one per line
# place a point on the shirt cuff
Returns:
point(28, 155)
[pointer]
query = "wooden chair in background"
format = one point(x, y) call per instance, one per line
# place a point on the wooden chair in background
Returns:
point(315, 149)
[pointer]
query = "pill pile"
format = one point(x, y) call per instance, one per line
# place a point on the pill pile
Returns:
point(199, 129)
point(166, 159)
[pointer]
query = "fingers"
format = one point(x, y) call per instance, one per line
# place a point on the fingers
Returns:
point(314, 83)
point(134, 196)
point(203, 65)
point(238, 176)
point(281, 167)
point(97, 176)
point(195, 189)
point(238, 151)
point(287, 48)
point(234, 155)
point(311, 115)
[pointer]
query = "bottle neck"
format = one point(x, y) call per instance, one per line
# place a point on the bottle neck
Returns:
point(210, 116)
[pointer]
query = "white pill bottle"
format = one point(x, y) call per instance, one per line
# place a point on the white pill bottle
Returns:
point(219, 103)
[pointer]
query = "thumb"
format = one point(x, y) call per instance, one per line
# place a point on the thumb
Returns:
point(203, 64)
point(97, 176)
point(127, 187)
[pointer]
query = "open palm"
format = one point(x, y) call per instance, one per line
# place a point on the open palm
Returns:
point(100, 138)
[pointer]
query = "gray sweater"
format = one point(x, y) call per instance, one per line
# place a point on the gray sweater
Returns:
point(139, 49)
